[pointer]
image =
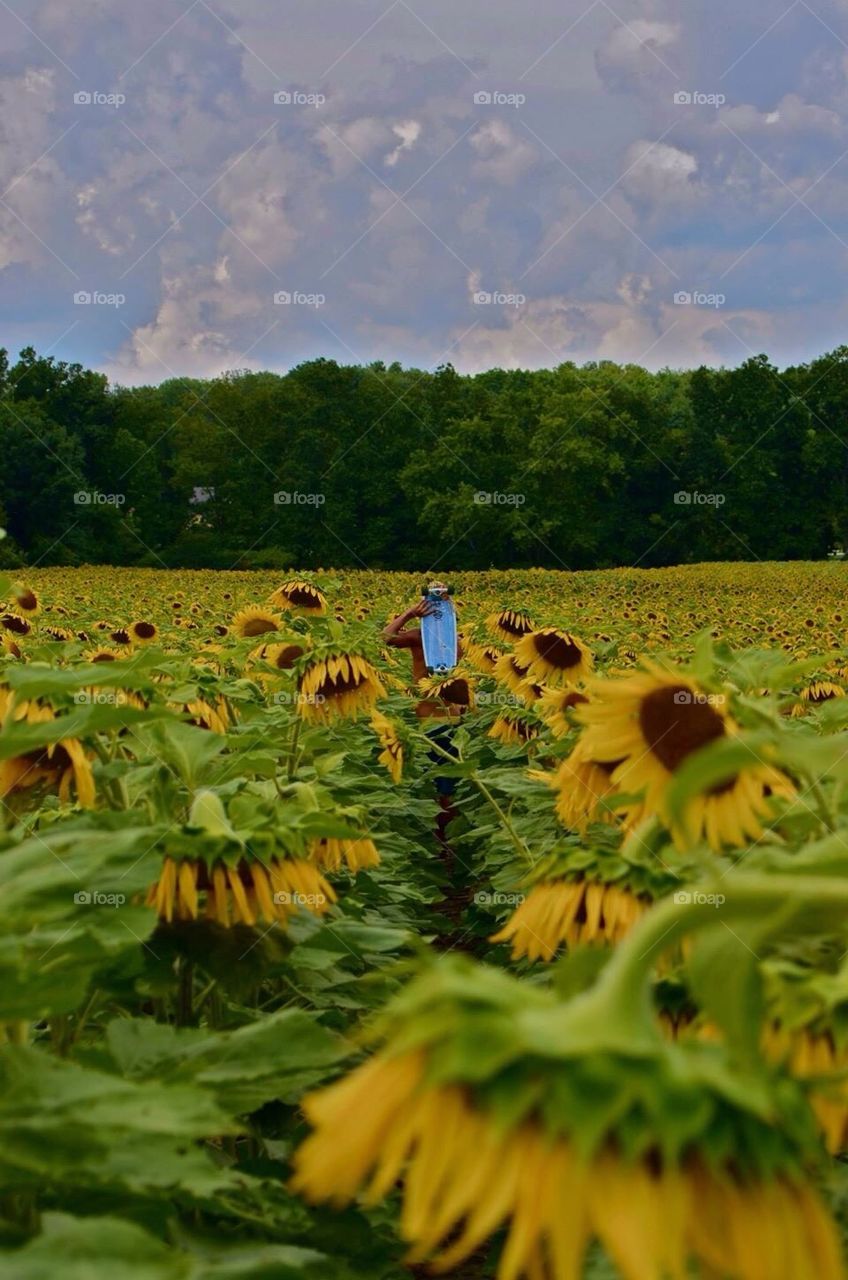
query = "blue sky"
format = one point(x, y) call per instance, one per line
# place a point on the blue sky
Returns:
point(249, 184)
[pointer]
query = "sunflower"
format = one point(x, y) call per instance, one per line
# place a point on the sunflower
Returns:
point(299, 596)
point(509, 624)
point(582, 785)
point(815, 694)
point(569, 912)
point(204, 716)
point(467, 1171)
point(16, 624)
point(101, 655)
point(513, 729)
point(120, 636)
point(58, 765)
point(455, 691)
point(483, 657)
point(554, 706)
point(338, 686)
point(255, 621)
point(391, 755)
point(516, 676)
point(809, 1053)
point(554, 657)
point(59, 634)
point(143, 632)
point(240, 894)
point(281, 656)
point(330, 854)
point(647, 725)
point(25, 600)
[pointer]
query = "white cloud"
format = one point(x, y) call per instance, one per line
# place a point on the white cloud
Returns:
point(409, 131)
point(637, 56)
point(503, 156)
point(658, 171)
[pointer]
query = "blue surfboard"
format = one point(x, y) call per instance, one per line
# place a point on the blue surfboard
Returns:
point(438, 633)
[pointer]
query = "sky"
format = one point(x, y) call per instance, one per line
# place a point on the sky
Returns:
point(245, 184)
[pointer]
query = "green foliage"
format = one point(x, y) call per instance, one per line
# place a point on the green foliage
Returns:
point(583, 462)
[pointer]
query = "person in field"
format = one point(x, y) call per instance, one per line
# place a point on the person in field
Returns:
point(438, 713)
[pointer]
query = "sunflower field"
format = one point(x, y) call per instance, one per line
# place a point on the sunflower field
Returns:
point(537, 970)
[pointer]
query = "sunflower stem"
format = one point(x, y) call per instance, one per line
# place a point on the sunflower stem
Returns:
point(290, 766)
point(821, 804)
point(521, 848)
point(623, 987)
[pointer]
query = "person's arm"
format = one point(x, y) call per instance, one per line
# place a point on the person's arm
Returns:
point(395, 634)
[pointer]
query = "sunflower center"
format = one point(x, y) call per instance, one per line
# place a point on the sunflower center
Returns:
point(674, 723)
point(258, 626)
point(335, 686)
point(287, 657)
point(20, 626)
point(302, 596)
point(558, 651)
point(456, 691)
point(573, 699)
point(516, 626)
point(145, 630)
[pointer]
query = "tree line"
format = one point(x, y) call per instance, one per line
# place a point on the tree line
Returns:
point(582, 467)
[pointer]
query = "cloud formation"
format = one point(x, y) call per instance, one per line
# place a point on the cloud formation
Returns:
point(387, 165)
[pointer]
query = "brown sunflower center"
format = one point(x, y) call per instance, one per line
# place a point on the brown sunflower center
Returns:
point(287, 657)
point(335, 686)
point(302, 596)
point(27, 600)
point(675, 722)
point(258, 626)
point(515, 625)
point(145, 630)
point(558, 651)
point(573, 699)
point(457, 692)
point(11, 622)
